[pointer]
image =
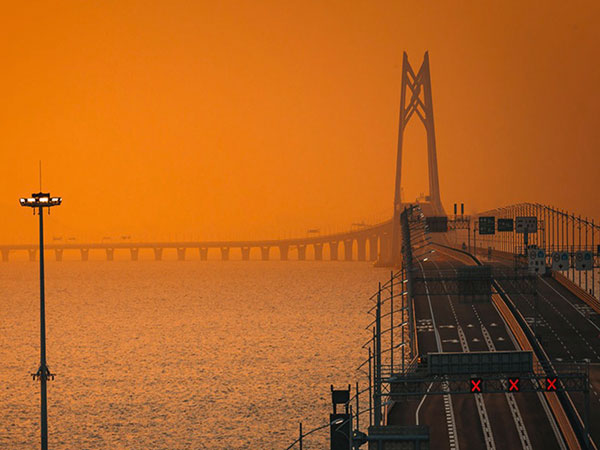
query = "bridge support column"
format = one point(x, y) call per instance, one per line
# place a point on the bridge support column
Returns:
point(158, 254)
point(203, 253)
point(5, 252)
point(373, 248)
point(348, 249)
point(283, 252)
point(85, 253)
point(301, 252)
point(318, 251)
point(265, 252)
point(32, 254)
point(245, 253)
point(385, 253)
point(333, 250)
point(134, 253)
point(181, 254)
point(225, 253)
point(362, 248)
point(58, 254)
point(110, 254)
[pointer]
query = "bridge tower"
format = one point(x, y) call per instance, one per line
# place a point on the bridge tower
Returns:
point(416, 99)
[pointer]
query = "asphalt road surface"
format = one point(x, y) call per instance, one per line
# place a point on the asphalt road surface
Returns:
point(472, 421)
point(568, 329)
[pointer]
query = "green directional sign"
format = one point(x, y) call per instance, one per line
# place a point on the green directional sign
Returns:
point(437, 224)
point(487, 225)
point(505, 224)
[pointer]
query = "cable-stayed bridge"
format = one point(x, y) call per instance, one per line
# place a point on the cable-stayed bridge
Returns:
point(486, 336)
point(379, 242)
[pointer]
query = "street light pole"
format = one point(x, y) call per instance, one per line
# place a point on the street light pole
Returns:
point(43, 371)
point(40, 201)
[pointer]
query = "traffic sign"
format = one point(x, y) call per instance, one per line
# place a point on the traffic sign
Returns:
point(537, 261)
point(487, 225)
point(505, 224)
point(526, 224)
point(560, 261)
point(437, 224)
point(584, 260)
point(475, 385)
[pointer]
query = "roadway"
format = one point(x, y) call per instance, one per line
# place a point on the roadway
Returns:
point(476, 421)
point(569, 331)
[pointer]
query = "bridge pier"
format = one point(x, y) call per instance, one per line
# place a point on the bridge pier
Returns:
point(301, 252)
point(362, 248)
point(385, 253)
point(5, 252)
point(348, 249)
point(373, 248)
point(245, 253)
point(225, 253)
point(265, 252)
point(333, 250)
point(318, 251)
point(283, 252)
point(203, 253)
point(376, 238)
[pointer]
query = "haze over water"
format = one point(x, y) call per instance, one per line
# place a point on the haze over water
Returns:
point(171, 355)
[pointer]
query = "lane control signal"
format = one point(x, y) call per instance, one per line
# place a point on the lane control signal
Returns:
point(551, 384)
point(514, 385)
point(475, 385)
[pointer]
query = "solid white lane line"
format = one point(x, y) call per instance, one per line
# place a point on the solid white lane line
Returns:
point(557, 434)
point(572, 305)
point(421, 404)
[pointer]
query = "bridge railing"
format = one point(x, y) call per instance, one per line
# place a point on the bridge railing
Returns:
point(391, 347)
point(558, 230)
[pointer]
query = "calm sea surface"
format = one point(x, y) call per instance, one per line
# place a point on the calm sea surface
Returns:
point(180, 355)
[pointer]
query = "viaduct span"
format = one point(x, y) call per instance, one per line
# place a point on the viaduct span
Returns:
point(367, 244)
point(380, 242)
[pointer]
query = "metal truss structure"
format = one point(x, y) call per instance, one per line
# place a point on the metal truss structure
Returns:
point(496, 383)
point(475, 281)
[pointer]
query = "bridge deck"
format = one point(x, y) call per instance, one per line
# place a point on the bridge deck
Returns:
point(444, 324)
point(368, 243)
point(569, 331)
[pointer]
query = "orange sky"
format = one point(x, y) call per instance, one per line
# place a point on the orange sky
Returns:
point(204, 119)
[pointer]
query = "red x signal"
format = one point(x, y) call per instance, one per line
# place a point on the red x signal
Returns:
point(475, 384)
point(514, 385)
point(551, 384)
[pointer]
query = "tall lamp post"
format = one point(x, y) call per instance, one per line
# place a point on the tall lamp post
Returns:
point(40, 201)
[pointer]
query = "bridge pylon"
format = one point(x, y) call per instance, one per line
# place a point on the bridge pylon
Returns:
point(415, 100)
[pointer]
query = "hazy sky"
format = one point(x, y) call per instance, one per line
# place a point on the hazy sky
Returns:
point(218, 119)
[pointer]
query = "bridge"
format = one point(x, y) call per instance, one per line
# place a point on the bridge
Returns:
point(488, 342)
point(380, 242)
point(486, 335)
point(366, 244)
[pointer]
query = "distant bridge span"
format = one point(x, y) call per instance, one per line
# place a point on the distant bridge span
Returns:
point(380, 242)
point(372, 243)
